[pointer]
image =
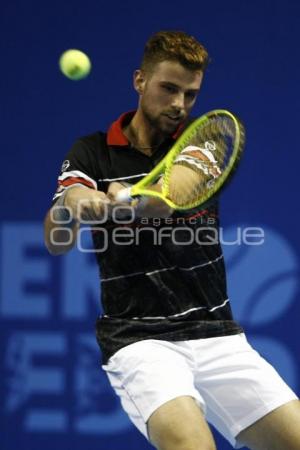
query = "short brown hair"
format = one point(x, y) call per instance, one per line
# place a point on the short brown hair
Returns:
point(174, 46)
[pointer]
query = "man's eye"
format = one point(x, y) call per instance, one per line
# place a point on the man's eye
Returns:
point(191, 95)
point(170, 89)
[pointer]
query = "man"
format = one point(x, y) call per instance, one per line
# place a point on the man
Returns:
point(171, 349)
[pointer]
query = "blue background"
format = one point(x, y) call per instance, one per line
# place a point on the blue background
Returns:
point(53, 392)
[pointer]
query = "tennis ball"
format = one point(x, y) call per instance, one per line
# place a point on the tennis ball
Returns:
point(75, 64)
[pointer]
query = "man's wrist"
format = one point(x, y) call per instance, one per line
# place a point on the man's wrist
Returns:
point(62, 214)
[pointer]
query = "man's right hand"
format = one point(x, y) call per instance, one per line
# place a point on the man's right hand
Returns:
point(147, 207)
point(87, 204)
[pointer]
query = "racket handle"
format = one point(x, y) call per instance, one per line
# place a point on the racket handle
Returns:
point(124, 195)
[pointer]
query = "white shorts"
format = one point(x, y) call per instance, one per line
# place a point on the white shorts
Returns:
point(233, 385)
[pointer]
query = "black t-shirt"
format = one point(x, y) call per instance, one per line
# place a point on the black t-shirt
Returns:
point(160, 278)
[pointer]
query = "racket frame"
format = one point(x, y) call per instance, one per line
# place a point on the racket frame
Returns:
point(142, 187)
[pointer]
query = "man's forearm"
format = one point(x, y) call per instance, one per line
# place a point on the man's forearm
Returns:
point(60, 226)
point(63, 220)
point(59, 237)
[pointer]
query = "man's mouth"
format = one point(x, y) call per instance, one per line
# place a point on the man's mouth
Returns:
point(175, 119)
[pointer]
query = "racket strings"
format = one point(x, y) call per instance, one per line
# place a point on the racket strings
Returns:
point(201, 161)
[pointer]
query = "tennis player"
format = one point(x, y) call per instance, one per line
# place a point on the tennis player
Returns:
point(171, 348)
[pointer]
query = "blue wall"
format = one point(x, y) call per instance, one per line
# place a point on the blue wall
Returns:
point(53, 392)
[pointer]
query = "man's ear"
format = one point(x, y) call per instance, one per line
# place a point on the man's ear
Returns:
point(139, 81)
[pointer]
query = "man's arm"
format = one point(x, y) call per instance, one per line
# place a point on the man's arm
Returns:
point(62, 221)
point(59, 238)
point(80, 203)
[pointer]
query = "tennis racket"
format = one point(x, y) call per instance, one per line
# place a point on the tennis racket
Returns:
point(198, 166)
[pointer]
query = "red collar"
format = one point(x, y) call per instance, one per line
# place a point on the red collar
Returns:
point(115, 135)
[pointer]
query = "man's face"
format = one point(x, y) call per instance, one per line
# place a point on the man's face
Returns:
point(167, 95)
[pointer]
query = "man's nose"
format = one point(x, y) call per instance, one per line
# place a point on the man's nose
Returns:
point(178, 101)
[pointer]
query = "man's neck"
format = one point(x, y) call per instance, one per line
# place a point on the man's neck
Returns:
point(141, 136)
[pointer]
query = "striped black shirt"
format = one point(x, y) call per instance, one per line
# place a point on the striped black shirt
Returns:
point(160, 278)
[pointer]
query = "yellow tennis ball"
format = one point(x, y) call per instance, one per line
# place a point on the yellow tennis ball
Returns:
point(75, 64)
